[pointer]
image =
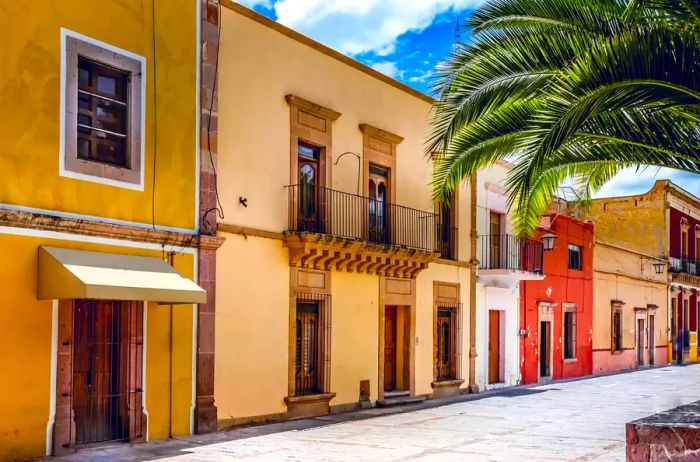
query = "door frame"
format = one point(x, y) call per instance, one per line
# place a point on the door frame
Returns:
point(402, 294)
point(545, 311)
point(64, 429)
point(640, 314)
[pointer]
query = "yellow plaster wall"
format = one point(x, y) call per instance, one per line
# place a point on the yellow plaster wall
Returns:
point(30, 107)
point(252, 324)
point(355, 331)
point(634, 222)
point(26, 346)
point(254, 148)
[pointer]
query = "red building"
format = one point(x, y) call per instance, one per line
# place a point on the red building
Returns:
point(556, 313)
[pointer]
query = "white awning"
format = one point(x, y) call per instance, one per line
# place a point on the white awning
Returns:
point(69, 274)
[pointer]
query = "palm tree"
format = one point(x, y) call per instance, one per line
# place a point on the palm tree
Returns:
point(568, 89)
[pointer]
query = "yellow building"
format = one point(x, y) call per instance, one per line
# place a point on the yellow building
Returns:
point(630, 311)
point(340, 282)
point(99, 224)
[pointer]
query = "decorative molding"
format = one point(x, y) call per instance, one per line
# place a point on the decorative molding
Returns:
point(381, 134)
point(37, 221)
point(247, 231)
point(311, 107)
point(324, 252)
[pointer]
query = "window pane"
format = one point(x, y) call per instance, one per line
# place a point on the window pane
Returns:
point(306, 150)
point(84, 102)
point(111, 116)
point(84, 148)
point(84, 75)
point(110, 149)
point(107, 85)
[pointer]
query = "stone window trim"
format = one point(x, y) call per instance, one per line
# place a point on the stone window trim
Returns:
point(312, 124)
point(616, 307)
point(379, 148)
point(74, 45)
point(447, 294)
point(569, 308)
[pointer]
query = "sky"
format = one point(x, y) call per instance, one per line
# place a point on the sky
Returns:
point(406, 39)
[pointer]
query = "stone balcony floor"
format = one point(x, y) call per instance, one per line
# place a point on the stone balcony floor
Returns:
point(574, 420)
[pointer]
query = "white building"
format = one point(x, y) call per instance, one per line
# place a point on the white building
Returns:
point(504, 261)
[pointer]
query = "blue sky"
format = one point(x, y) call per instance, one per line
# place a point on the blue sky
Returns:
point(406, 39)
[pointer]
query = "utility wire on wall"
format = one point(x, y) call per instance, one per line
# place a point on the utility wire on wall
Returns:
point(155, 116)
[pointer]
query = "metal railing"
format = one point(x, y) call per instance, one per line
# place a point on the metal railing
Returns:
point(503, 251)
point(326, 211)
point(684, 265)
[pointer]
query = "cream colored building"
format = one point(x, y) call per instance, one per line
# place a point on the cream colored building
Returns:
point(341, 283)
point(504, 261)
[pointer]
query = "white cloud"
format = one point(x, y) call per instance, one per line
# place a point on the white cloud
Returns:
point(421, 77)
point(631, 181)
point(359, 26)
point(253, 3)
point(387, 67)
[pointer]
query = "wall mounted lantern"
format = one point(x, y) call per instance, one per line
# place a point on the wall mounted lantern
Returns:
point(548, 241)
point(659, 267)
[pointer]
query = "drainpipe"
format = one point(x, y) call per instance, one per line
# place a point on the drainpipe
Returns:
point(473, 388)
point(171, 260)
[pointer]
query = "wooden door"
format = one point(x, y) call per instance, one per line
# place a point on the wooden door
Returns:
point(494, 346)
point(445, 345)
point(495, 239)
point(640, 342)
point(99, 382)
point(308, 184)
point(652, 341)
point(379, 198)
point(390, 348)
point(545, 349)
point(307, 352)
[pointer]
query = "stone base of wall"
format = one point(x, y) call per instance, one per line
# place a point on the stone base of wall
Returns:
point(672, 435)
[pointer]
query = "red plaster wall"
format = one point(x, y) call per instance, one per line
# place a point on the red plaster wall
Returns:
point(559, 286)
point(675, 236)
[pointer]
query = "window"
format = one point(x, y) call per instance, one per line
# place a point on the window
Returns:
point(308, 163)
point(445, 339)
point(307, 327)
point(447, 228)
point(569, 312)
point(312, 338)
point(575, 262)
point(617, 328)
point(103, 111)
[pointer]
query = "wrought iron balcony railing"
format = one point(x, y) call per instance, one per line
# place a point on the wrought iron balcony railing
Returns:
point(326, 211)
point(684, 265)
point(506, 252)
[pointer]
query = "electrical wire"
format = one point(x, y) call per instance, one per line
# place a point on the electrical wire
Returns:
point(218, 208)
point(155, 116)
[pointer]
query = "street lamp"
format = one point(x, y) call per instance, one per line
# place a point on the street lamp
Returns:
point(659, 267)
point(548, 241)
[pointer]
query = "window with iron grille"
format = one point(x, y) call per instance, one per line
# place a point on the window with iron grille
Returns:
point(103, 112)
point(569, 314)
point(312, 344)
point(575, 261)
point(448, 341)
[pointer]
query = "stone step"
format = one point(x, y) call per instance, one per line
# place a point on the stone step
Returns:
point(395, 394)
point(400, 401)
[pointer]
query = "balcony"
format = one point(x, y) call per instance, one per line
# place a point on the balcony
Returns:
point(509, 256)
point(684, 265)
point(330, 229)
point(685, 271)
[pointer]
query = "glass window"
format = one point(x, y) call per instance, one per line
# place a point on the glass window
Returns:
point(617, 330)
point(575, 260)
point(570, 334)
point(102, 113)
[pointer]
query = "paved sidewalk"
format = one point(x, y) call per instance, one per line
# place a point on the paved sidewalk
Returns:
point(574, 420)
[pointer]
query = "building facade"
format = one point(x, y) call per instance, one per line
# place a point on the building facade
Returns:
point(341, 283)
point(631, 318)
point(504, 262)
point(99, 221)
point(556, 313)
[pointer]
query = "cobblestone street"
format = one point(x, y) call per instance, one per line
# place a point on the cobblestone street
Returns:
point(577, 420)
